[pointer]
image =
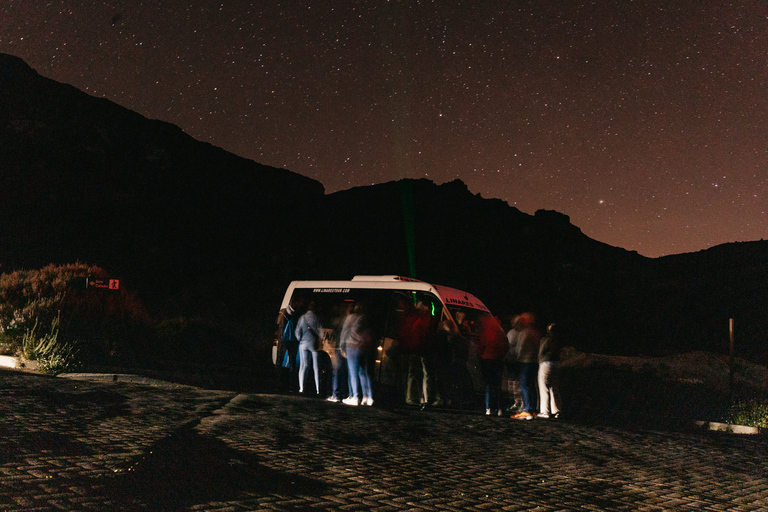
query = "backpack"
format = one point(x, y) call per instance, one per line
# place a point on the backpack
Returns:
point(289, 332)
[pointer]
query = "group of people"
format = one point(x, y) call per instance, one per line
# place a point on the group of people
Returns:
point(532, 365)
point(425, 353)
point(351, 351)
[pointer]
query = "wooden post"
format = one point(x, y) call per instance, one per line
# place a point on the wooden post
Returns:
point(730, 360)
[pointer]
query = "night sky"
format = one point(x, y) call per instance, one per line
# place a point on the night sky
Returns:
point(644, 121)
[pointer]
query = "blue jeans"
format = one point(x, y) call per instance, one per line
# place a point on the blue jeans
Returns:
point(529, 373)
point(358, 369)
point(492, 371)
point(340, 375)
point(307, 351)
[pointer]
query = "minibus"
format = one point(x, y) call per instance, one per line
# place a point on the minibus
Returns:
point(455, 319)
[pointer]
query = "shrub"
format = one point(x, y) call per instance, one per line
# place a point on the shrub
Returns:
point(53, 357)
point(50, 314)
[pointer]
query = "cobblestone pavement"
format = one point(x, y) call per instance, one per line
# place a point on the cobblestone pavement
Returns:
point(76, 445)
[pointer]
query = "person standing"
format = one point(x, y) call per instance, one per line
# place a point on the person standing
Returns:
point(355, 342)
point(287, 349)
point(338, 360)
point(309, 333)
point(528, 359)
point(492, 348)
point(549, 364)
point(513, 366)
point(415, 339)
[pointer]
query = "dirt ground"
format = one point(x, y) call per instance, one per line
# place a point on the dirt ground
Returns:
point(682, 387)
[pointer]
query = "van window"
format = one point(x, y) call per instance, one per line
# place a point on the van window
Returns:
point(469, 320)
point(403, 302)
point(331, 305)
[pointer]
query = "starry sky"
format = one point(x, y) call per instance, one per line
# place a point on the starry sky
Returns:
point(644, 121)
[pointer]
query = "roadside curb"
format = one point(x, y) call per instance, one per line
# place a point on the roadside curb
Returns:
point(727, 427)
point(17, 363)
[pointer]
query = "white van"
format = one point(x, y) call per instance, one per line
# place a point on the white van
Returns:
point(455, 319)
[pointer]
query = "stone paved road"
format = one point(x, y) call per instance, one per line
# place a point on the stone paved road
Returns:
point(74, 445)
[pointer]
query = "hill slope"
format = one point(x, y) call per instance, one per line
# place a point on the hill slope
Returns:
point(199, 231)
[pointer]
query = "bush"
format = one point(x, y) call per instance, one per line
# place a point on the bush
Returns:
point(751, 413)
point(50, 315)
point(53, 357)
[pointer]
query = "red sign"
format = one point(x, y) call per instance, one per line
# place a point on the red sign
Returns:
point(112, 284)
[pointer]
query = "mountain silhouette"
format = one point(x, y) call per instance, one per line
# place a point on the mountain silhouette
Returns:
point(195, 230)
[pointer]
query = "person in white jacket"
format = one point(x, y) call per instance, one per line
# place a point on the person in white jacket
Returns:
point(549, 363)
point(309, 332)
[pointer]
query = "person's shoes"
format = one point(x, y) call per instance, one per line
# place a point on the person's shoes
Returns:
point(498, 413)
point(411, 402)
point(333, 399)
point(487, 412)
point(543, 415)
point(522, 416)
point(367, 401)
point(351, 401)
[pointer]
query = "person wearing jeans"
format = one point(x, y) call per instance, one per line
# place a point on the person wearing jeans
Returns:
point(492, 348)
point(528, 358)
point(340, 377)
point(309, 333)
point(360, 381)
point(355, 343)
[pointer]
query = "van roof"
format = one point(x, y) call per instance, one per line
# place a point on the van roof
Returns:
point(449, 296)
point(386, 278)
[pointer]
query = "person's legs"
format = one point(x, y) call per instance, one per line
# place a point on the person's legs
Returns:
point(293, 351)
point(365, 379)
point(527, 378)
point(353, 363)
point(279, 369)
point(496, 371)
point(514, 388)
point(411, 392)
point(544, 389)
point(554, 387)
point(337, 363)
point(426, 384)
point(316, 368)
point(485, 372)
point(304, 355)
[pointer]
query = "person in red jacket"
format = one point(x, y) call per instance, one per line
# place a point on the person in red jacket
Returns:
point(492, 348)
point(416, 337)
